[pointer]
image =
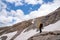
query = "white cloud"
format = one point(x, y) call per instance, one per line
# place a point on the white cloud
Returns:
point(34, 1)
point(2, 5)
point(45, 9)
point(17, 20)
point(17, 2)
point(19, 16)
point(19, 13)
point(3, 12)
point(11, 1)
point(27, 17)
point(7, 17)
point(5, 20)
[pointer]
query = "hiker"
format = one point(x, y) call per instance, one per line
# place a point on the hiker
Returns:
point(40, 27)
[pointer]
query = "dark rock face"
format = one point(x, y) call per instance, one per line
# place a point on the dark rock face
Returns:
point(46, 36)
point(4, 37)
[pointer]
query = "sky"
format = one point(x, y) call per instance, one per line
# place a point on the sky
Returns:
point(14, 11)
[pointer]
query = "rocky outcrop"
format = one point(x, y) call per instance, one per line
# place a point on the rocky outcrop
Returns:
point(3, 37)
point(46, 36)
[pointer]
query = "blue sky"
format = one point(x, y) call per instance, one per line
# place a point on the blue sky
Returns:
point(26, 8)
point(14, 11)
point(46, 1)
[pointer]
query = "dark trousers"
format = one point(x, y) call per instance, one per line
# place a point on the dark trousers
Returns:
point(40, 27)
point(40, 30)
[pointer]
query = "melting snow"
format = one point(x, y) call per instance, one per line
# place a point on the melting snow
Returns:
point(53, 27)
point(26, 35)
point(9, 35)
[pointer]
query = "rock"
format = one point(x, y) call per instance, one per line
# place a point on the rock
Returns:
point(46, 36)
point(4, 37)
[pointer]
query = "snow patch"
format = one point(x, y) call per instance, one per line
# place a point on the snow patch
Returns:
point(9, 35)
point(26, 35)
point(52, 27)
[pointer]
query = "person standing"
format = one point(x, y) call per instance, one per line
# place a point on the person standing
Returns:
point(40, 27)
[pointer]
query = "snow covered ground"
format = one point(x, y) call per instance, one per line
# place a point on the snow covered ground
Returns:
point(9, 35)
point(26, 35)
point(53, 27)
point(22, 36)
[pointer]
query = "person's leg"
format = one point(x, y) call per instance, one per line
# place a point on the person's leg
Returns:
point(40, 30)
point(40, 27)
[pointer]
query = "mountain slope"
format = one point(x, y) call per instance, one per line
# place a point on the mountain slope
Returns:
point(48, 19)
point(19, 27)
